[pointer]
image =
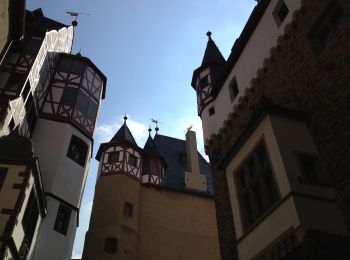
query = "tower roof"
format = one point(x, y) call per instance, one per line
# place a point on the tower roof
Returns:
point(150, 146)
point(212, 54)
point(124, 134)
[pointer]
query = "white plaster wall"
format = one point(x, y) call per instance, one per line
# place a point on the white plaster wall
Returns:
point(50, 243)
point(251, 59)
point(61, 175)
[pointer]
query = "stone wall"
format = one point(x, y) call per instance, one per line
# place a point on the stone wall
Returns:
point(303, 76)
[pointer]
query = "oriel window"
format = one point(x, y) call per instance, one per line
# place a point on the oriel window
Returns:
point(113, 157)
point(256, 187)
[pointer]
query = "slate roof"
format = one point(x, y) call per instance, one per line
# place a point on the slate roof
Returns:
point(124, 134)
point(172, 149)
point(37, 21)
point(212, 54)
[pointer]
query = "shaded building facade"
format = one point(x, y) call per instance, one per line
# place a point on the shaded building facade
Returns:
point(273, 118)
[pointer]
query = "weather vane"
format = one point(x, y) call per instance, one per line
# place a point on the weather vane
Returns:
point(156, 122)
point(75, 14)
point(189, 128)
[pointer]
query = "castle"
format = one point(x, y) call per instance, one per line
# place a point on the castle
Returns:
point(274, 121)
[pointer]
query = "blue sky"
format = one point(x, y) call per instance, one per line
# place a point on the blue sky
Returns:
point(148, 51)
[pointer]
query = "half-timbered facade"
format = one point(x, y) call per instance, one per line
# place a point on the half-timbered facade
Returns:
point(273, 132)
point(145, 208)
point(51, 97)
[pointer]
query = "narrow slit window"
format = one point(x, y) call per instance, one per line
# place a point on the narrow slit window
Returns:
point(62, 219)
point(280, 12)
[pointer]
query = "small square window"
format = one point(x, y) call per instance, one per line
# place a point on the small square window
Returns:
point(62, 219)
point(77, 150)
point(280, 12)
point(211, 111)
point(128, 208)
point(310, 168)
point(113, 157)
point(111, 245)
point(132, 160)
point(233, 87)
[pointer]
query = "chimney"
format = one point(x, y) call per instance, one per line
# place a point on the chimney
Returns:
point(193, 179)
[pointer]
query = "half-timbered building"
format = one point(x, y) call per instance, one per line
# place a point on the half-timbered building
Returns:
point(152, 203)
point(50, 99)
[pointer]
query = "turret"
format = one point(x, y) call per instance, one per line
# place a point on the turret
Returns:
point(207, 77)
point(153, 163)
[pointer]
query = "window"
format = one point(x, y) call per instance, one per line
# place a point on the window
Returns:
point(233, 87)
point(111, 245)
point(86, 105)
point(256, 187)
point(69, 96)
point(132, 160)
point(3, 172)
point(280, 12)
point(204, 82)
point(154, 168)
point(30, 216)
point(211, 111)
point(77, 150)
point(128, 209)
point(310, 169)
point(62, 219)
point(113, 157)
point(328, 24)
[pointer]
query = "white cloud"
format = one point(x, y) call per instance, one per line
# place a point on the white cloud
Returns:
point(77, 256)
point(105, 132)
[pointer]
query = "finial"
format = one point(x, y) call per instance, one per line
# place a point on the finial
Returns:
point(157, 129)
point(125, 118)
point(149, 130)
point(209, 35)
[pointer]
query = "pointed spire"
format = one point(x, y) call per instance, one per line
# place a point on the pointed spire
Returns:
point(212, 53)
point(124, 133)
point(150, 146)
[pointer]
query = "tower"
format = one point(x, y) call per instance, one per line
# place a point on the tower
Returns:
point(151, 203)
point(114, 220)
point(50, 98)
point(206, 80)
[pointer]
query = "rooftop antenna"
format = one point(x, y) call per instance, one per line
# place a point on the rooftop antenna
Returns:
point(76, 14)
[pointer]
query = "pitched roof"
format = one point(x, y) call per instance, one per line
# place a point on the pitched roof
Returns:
point(150, 146)
point(212, 54)
point(172, 150)
point(123, 134)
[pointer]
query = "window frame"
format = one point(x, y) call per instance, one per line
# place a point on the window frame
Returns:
point(263, 177)
point(66, 221)
point(75, 140)
point(115, 160)
point(110, 245)
point(276, 12)
point(132, 160)
point(128, 209)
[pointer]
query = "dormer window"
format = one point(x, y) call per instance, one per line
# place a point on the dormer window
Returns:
point(280, 13)
point(204, 82)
